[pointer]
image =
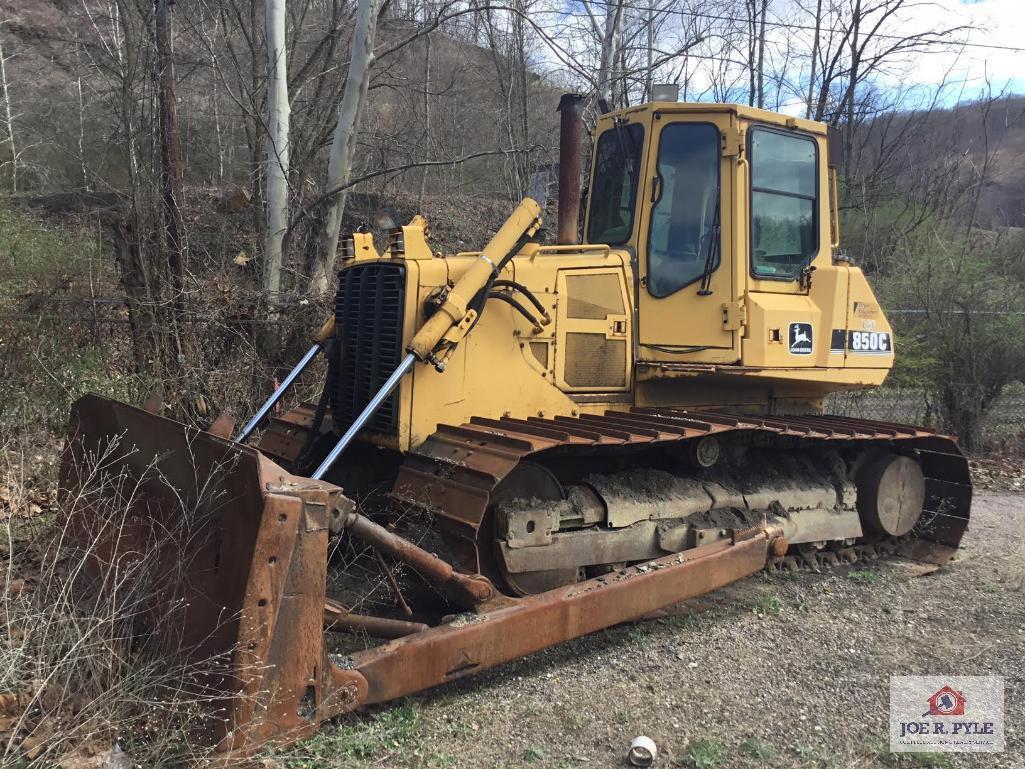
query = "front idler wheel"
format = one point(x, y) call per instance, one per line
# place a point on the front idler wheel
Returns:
point(891, 494)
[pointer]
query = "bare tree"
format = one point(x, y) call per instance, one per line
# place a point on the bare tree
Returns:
point(171, 181)
point(610, 38)
point(8, 115)
point(277, 150)
point(343, 145)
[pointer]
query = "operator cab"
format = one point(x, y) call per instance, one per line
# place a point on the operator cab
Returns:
point(728, 214)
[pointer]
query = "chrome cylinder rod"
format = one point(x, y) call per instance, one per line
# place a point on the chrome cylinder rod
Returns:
point(363, 418)
point(276, 396)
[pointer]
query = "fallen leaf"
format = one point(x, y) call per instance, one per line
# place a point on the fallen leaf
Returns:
point(10, 704)
point(92, 756)
point(33, 745)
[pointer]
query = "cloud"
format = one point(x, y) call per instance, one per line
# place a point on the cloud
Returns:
point(994, 23)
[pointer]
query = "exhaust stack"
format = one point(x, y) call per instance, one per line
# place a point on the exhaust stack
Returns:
point(570, 130)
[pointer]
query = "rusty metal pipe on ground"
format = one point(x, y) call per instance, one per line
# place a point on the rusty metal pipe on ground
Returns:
point(338, 617)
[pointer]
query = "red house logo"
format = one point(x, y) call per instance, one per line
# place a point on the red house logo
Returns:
point(946, 702)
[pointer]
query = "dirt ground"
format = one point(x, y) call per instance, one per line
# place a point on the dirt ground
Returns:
point(775, 671)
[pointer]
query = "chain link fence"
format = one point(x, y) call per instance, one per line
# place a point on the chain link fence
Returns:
point(1006, 418)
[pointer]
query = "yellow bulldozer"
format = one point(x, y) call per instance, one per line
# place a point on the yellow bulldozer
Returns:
point(532, 442)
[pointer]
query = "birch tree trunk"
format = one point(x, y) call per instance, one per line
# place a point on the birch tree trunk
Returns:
point(8, 118)
point(343, 144)
point(814, 59)
point(851, 95)
point(751, 7)
point(427, 115)
point(81, 122)
point(613, 21)
point(761, 53)
point(277, 150)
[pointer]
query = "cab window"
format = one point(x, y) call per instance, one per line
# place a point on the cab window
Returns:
point(684, 238)
point(784, 192)
point(613, 194)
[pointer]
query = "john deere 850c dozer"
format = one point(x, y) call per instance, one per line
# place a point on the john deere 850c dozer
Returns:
point(541, 441)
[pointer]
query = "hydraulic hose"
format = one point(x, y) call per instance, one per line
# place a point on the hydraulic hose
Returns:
point(481, 273)
point(511, 301)
point(526, 292)
point(481, 297)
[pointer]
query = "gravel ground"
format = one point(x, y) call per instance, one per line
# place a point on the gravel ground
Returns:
point(778, 671)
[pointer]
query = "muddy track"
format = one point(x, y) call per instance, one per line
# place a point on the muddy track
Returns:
point(455, 472)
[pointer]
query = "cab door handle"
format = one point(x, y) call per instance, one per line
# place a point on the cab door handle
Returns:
point(656, 188)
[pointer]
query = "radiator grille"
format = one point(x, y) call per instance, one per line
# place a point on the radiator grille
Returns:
point(368, 315)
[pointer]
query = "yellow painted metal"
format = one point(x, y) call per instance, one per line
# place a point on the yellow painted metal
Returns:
point(525, 219)
point(326, 331)
point(593, 349)
point(359, 247)
point(494, 371)
point(611, 343)
point(685, 319)
point(410, 241)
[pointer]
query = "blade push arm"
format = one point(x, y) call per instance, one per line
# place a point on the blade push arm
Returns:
point(320, 339)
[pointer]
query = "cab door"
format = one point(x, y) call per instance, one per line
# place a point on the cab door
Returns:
point(797, 298)
point(685, 252)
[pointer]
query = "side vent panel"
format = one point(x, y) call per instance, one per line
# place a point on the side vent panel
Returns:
point(593, 351)
point(594, 361)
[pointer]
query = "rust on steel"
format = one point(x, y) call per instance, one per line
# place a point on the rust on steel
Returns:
point(338, 617)
point(474, 587)
point(240, 550)
point(454, 472)
point(474, 642)
point(571, 130)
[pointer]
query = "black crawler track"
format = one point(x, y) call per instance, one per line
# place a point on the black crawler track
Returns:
point(454, 472)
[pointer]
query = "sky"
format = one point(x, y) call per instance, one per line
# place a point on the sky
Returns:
point(996, 22)
point(991, 48)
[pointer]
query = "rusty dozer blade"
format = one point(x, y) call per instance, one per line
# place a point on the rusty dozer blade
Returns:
point(240, 553)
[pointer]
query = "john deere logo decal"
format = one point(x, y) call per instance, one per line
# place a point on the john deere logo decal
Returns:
point(801, 339)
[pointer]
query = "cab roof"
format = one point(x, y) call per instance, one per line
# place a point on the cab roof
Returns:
point(743, 112)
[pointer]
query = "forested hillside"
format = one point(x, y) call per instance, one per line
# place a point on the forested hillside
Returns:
point(150, 125)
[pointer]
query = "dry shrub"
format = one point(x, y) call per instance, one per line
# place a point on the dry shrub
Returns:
point(80, 685)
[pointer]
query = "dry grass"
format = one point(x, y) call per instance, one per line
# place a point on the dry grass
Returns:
point(79, 686)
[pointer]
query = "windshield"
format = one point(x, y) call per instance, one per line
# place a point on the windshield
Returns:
point(783, 196)
point(684, 235)
point(613, 195)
